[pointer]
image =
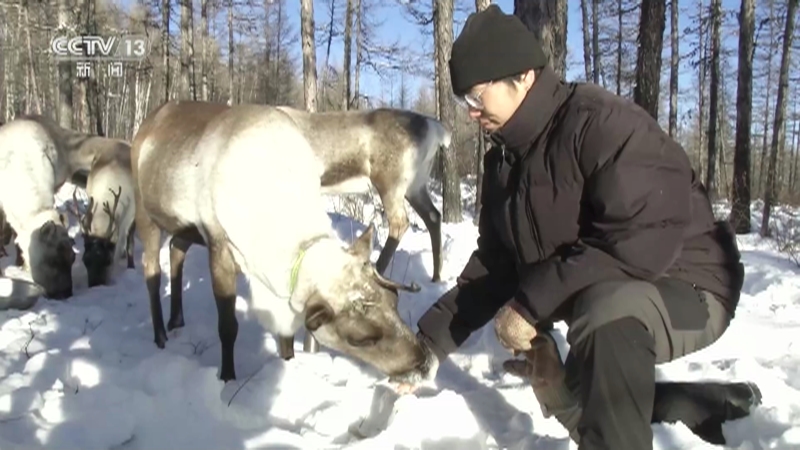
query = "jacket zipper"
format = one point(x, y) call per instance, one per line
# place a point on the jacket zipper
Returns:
point(534, 229)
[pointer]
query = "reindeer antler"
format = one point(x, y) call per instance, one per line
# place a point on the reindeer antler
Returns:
point(84, 218)
point(112, 224)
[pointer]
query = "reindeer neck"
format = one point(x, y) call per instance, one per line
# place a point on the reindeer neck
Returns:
point(81, 149)
point(338, 138)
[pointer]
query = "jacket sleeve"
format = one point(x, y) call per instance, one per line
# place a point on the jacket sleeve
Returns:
point(636, 198)
point(487, 282)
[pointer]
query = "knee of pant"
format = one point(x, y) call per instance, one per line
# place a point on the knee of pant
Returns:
point(626, 335)
point(607, 302)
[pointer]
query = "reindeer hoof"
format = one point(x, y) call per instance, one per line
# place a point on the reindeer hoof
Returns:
point(226, 377)
point(175, 323)
point(161, 340)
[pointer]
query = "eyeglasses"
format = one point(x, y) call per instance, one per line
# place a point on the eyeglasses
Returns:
point(474, 100)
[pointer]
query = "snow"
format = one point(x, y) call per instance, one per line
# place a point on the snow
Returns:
point(85, 374)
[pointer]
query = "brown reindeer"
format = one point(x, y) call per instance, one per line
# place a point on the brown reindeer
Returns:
point(221, 177)
point(391, 149)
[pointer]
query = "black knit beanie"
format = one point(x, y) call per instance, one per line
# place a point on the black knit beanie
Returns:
point(492, 45)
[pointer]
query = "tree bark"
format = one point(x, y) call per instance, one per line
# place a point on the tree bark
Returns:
point(187, 51)
point(648, 62)
point(547, 19)
point(587, 45)
point(780, 111)
point(231, 51)
point(740, 210)
point(596, 66)
point(165, 13)
point(451, 186)
point(674, 67)
point(309, 55)
point(480, 144)
point(713, 107)
point(348, 50)
point(65, 111)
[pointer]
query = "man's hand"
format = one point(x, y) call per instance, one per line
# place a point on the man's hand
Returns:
point(513, 331)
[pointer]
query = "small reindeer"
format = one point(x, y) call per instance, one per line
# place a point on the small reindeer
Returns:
point(108, 237)
point(221, 177)
point(391, 149)
point(36, 158)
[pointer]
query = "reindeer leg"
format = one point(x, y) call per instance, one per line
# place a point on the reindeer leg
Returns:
point(150, 235)
point(177, 255)
point(421, 201)
point(286, 347)
point(20, 260)
point(129, 245)
point(223, 282)
point(398, 224)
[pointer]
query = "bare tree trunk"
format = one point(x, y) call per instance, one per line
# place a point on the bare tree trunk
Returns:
point(648, 63)
point(326, 68)
point(165, 12)
point(740, 210)
point(547, 19)
point(204, 48)
point(595, 43)
point(65, 113)
point(309, 55)
point(587, 46)
point(701, 99)
point(480, 147)
point(713, 107)
point(359, 49)
point(348, 44)
point(619, 47)
point(37, 107)
point(187, 52)
point(674, 66)
point(267, 50)
point(780, 110)
point(451, 186)
point(770, 50)
point(278, 49)
point(231, 47)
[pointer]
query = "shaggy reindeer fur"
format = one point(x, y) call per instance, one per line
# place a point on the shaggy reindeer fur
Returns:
point(107, 226)
point(391, 149)
point(221, 177)
point(36, 158)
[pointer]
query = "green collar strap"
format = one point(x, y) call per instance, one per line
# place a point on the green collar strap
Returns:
point(298, 260)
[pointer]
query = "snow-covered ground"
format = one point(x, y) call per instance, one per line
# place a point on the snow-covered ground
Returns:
point(85, 374)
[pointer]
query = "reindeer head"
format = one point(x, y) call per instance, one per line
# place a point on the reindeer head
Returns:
point(51, 257)
point(354, 310)
point(98, 245)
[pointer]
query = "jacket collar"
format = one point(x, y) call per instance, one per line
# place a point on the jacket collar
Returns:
point(530, 119)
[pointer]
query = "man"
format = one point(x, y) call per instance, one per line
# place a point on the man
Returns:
point(591, 214)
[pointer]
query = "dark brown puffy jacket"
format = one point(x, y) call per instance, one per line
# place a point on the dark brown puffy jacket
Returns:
point(583, 186)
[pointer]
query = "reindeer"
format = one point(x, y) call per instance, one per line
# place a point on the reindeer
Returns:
point(107, 237)
point(36, 158)
point(220, 177)
point(391, 149)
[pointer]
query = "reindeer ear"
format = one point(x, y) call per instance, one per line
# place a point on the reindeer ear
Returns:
point(62, 217)
point(362, 246)
point(317, 315)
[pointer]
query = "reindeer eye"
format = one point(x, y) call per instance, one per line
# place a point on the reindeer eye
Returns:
point(368, 341)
